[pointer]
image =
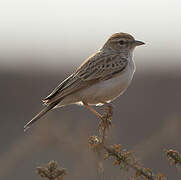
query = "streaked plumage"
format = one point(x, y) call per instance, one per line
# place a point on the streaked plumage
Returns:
point(99, 79)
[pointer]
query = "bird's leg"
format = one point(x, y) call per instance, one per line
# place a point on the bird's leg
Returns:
point(93, 110)
point(105, 118)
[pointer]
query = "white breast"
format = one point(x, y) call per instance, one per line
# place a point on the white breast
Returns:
point(104, 91)
point(110, 89)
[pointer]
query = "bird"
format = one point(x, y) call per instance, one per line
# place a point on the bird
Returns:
point(100, 79)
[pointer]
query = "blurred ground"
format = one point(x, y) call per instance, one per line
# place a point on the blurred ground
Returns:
point(147, 119)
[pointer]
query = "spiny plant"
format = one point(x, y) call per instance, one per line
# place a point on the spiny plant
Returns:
point(121, 157)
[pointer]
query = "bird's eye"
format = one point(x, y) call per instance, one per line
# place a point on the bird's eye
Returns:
point(121, 42)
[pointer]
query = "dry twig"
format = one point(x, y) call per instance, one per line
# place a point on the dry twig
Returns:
point(123, 158)
point(51, 171)
point(174, 158)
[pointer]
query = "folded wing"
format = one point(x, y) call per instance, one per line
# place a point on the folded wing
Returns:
point(100, 66)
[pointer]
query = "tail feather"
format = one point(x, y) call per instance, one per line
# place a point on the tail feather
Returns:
point(40, 114)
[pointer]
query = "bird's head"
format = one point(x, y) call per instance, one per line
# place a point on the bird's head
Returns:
point(121, 42)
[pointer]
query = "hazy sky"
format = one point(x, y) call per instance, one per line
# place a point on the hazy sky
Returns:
point(52, 29)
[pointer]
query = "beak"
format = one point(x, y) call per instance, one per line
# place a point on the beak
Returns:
point(138, 43)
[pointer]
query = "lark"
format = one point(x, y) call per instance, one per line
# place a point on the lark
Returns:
point(100, 79)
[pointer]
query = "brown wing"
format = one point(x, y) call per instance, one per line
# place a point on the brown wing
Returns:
point(100, 66)
point(57, 89)
point(73, 83)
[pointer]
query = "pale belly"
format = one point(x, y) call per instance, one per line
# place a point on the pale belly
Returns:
point(108, 90)
point(102, 92)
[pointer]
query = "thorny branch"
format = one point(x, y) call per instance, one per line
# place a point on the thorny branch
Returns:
point(174, 158)
point(123, 158)
point(51, 171)
point(106, 121)
point(126, 160)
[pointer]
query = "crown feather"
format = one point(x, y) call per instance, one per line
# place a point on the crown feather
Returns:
point(121, 35)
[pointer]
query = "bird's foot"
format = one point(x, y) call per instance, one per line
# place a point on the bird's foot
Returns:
point(106, 118)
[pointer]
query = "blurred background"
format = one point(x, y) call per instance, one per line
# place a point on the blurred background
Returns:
point(43, 41)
